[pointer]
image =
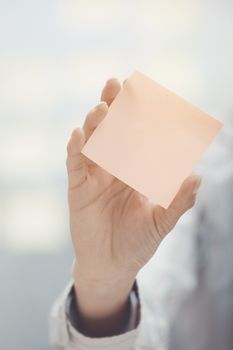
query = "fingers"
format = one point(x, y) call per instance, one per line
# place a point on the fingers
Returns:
point(110, 90)
point(184, 200)
point(96, 115)
point(76, 161)
point(93, 118)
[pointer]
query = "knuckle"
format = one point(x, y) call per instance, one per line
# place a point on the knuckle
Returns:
point(191, 202)
point(68, 147)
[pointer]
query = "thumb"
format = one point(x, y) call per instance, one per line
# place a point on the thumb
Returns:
point(184, 200)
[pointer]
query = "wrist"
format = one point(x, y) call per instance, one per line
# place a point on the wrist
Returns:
point(102, 282)
point(102, 306)
point(101, 297)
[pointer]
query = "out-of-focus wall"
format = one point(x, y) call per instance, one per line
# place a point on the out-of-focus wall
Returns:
point(54, 59)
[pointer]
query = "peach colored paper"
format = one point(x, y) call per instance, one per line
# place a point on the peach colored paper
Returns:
point(151, 138)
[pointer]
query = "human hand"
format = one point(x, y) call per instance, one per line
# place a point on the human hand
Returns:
point(115, 229)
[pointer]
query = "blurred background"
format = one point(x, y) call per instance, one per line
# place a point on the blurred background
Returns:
point(55, 56)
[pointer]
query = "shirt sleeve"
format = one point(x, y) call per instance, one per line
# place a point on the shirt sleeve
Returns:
point(65, 336)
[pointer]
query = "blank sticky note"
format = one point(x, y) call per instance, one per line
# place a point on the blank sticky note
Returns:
point(151, 138)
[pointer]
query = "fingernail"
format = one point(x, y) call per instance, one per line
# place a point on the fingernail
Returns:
point(109, 81)
point(197, 184)
point(101, 105)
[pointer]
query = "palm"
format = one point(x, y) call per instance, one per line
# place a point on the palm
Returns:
point(124, 227)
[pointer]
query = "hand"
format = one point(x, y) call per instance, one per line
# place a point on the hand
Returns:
point(115, 229)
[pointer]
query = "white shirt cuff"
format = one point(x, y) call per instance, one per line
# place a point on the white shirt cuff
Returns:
point(64, 335)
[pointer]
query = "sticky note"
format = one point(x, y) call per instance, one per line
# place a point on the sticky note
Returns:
point(151, 138)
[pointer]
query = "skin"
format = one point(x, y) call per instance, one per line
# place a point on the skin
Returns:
point(115, 230)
